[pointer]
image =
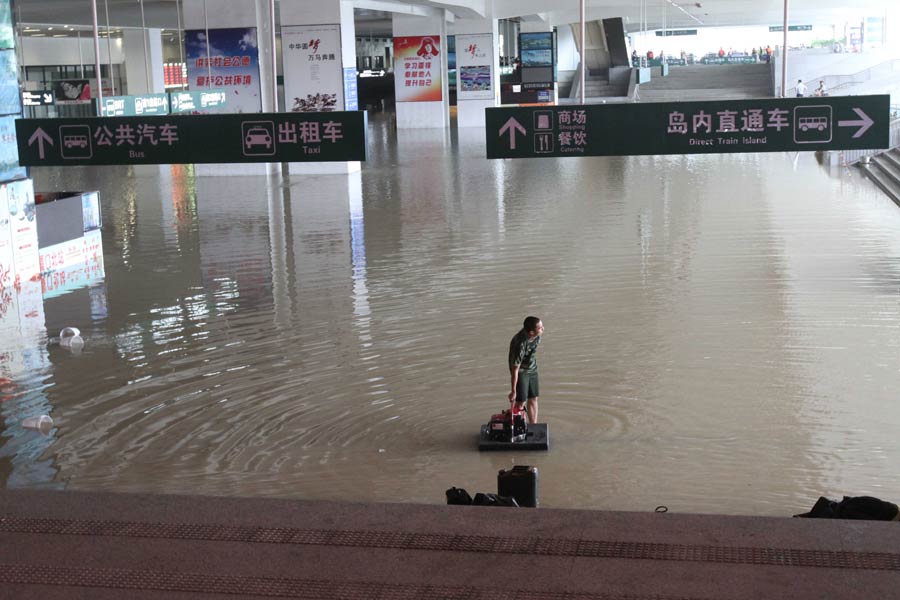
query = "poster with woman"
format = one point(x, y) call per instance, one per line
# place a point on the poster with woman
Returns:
point(228, 60)
point(417, 68)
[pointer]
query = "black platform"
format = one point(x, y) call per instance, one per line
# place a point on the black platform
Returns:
point(538, 439)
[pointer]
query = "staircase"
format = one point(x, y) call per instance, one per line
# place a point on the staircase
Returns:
point(708, 82)
point(884, 170)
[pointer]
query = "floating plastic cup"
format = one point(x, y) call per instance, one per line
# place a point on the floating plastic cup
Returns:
point(42, 423)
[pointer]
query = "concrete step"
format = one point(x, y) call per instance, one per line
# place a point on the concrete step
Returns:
point(888, 168)
point(877, 177)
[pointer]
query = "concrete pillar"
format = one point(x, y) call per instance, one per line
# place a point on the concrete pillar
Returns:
point(483, 37)
point(415, 115)
point(224, 14)
point(322, 13)
point(144, 72)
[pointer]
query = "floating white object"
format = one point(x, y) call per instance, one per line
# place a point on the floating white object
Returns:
point(70, 337)
point(42, 423)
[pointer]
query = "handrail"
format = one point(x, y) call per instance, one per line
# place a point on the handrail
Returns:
point(849, 157)
point(833, 82)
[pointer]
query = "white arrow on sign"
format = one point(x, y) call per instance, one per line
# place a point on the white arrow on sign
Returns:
point(512, 126)
point(41, 136)
point(48, 98)
point(864, 123)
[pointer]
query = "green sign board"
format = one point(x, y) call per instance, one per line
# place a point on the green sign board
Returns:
point(185, 139)
point(671, 32)
point(763, 125)
point(773, 28)
point(197, 102)
point(132, 106)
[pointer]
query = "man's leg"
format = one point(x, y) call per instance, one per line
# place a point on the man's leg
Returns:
point(521, 390)
point(532, 410)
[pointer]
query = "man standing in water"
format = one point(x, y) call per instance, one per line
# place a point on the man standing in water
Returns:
point(523, 367)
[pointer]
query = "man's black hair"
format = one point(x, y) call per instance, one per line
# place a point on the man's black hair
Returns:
point(531, 323)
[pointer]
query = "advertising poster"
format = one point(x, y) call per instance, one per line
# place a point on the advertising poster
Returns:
point(474, 60)
point(9, 150)
point(7, 269)
point(10, 96)
point(7, 35)
point(20, 203)
point(232, 65)
point(536, 49)
point(417, 68)
point(72, 91)
point(313, 70)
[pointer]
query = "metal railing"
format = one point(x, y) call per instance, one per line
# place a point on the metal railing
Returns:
point(850, 157)
point(842, 82)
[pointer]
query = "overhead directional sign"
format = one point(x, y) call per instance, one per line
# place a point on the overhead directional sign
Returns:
point(185, 139)
point(38, 98)
point(764, 125)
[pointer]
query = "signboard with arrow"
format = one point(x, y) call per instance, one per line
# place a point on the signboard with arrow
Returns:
point(184, 139)
point(763, 125)
point(38, 98)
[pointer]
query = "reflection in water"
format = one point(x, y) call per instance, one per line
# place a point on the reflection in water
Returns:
point(721, 330)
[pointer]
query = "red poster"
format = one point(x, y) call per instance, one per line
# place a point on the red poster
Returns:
point(418, 65)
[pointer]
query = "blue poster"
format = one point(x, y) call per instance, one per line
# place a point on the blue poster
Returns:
point(229, 61)
point(10, 98)
point(7, 35)
point(351, 89)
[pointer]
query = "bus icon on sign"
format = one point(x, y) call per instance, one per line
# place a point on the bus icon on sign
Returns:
point(817, 123)
point(812, 124)
point(76, 141)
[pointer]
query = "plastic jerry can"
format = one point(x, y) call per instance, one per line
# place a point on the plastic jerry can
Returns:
point(520, 482)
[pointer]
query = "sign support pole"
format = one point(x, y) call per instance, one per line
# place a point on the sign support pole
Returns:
point(583, 54)
point(97, 57)
point(274, 59)
point(784, 53)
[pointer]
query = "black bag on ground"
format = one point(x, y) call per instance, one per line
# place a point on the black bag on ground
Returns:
point(458, 496)
point(494, 500)
point(853, 507)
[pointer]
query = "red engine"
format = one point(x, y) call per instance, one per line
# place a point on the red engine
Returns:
point(508, 426)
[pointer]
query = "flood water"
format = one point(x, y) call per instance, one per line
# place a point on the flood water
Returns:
point(722, 331)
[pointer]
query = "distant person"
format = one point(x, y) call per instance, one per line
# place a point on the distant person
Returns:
point(523, 369)
point(755, 55)
point(801, 88)
point(768, 53)
point(634, 58)
point(721, 52)
point(820, 91)
point(649, 54)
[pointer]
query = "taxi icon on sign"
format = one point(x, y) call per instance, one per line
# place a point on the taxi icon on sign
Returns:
point(257, 136)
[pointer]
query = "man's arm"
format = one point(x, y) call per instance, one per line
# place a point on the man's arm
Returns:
point(514, 379)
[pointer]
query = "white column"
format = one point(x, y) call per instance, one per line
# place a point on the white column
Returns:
point(136, 62)
point(222, 14)
point(470, 105)
point(414, 115)
point(322, 12)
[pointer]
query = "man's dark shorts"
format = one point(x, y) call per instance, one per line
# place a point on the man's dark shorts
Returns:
point(527, 386)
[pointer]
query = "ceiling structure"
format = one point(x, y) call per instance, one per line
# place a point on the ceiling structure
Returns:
point(373, 17)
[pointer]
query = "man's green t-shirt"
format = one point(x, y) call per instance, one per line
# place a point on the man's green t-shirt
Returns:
point(522, 352)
